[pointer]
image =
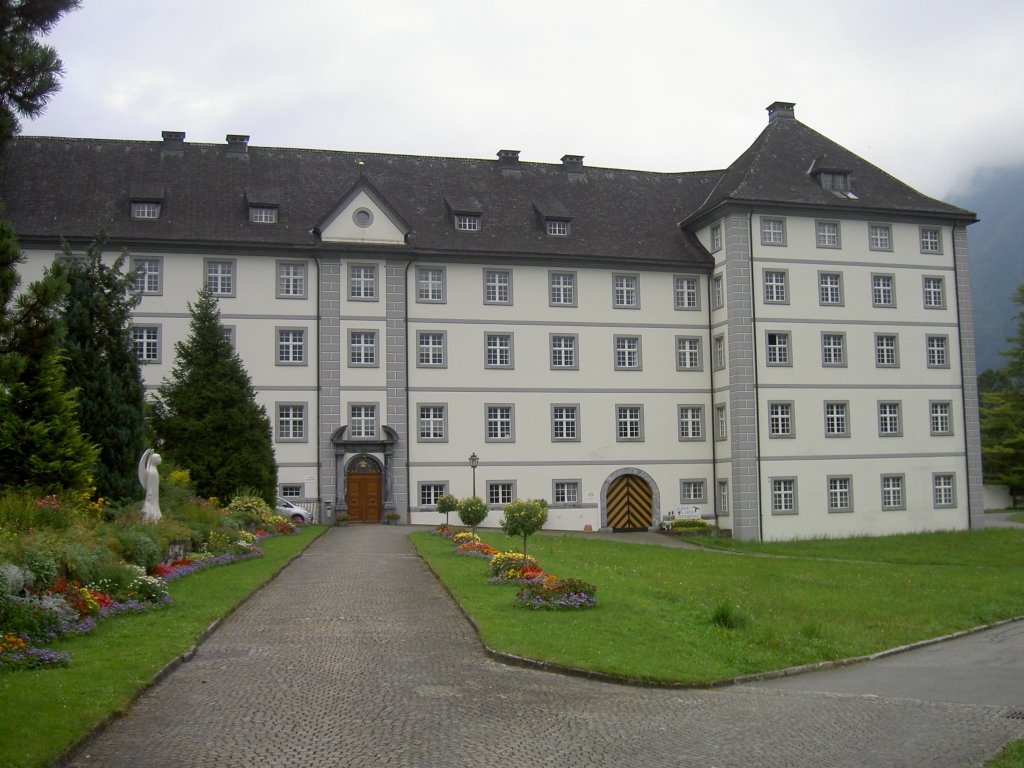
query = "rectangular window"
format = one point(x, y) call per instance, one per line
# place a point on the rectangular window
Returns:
point(262, 214)
point(562, 289)
point(889, 420)
point(146, 340)
point(716, 238)
point(887, 350)
point(943, 491)
point(433, 422)
point(563, 352)
point(291, 279)
point(625, 292)
point(717, 292)
point(691, 491)
point(840, 495)
point(629, 422)
point(837, 419)
point(826, 234)
point(362, 422)
point(830, 289)
point(500, 492)
point(431, 492)
point(892, 492)
point(780, 419)
point(498, 350)
point(784, 496)
point(691, 422)
point(557, 227)
point(833, 350)
point(686, 292)
point(565, 422)
point(566, 492)
point(362, 348)
point(719, 352)
point(778, 349)
point(931, 240)
point(220, 277)
point(499, 420)
point(883, 293)
point(775, 287)
point(879, 237)
point(362, 282)
point(291, 346)
point(430, 349)
point(773, 231)
point(721, 422)
point(229, 336)
point(940, 421)
point(497, 286)
point(430, 285)
point(467, 222)
point(291, 421)
point(934, 293)
point(291, 491)
point(937, 357)
point(723, 497)
point(147, 276)
point(145, 210)
point(688, 353)
point(627, 353)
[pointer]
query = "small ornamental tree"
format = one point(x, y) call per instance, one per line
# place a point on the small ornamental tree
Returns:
point(472, 511)
point(446, 505)
point(524, 518)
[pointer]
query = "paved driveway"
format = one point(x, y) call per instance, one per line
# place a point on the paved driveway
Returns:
point(355, 656)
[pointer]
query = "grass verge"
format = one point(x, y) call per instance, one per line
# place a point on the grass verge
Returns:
point(1011, 757)
point(681, 616)
point(43, 712)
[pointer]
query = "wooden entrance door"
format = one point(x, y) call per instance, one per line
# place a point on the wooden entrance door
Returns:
point(364, 497)
point(629, 504)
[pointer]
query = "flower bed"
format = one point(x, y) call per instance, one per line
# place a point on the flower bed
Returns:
point(556, 594)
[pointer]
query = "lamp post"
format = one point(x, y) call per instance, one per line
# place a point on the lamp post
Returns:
point(474, 460)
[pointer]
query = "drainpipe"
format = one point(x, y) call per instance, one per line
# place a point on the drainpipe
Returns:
point(319, 404)
point(712, 422)
point(408, 414)
point(757, 419)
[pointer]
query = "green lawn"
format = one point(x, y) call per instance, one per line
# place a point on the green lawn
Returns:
point(43, 712)
point(824, 600)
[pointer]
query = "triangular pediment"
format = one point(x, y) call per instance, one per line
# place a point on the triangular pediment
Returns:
point(363, 216)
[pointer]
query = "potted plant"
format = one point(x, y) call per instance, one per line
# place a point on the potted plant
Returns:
point(392, 518)
point(341, 519)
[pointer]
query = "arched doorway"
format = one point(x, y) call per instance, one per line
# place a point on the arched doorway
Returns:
point(629, 504)
point(362, 482)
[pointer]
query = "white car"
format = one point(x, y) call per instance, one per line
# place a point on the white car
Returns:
point(293, 512)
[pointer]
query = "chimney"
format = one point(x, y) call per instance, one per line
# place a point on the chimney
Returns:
point(509, 159)
point(237, 144)
point(781, 109)
point(572, 163)
point(174, 141)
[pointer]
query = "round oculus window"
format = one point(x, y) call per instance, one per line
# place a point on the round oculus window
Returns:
point(363, 218)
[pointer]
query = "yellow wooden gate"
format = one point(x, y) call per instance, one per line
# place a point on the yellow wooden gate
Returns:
point(629, 504)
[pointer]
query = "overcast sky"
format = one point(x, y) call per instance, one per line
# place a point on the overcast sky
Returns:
point(929, 90)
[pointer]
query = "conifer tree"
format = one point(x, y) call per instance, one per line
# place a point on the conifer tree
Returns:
point(1002, 414)
point(103, 367)
point(41, 444)
point(206, 416)
point(29, 70)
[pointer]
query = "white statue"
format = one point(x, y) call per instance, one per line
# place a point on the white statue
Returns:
point(149, 477)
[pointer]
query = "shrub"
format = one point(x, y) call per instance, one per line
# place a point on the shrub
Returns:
point(249, 510)
point(81, 561)
point(524, 518)
point(472, 511)
point(689, 522)
point(464, 536)
point(504, 562)
point(446, 505)
point(42, 565)
point(139, 545)
point(115, 580)
point(14, 580)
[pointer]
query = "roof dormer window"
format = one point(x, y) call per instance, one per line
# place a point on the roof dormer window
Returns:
point(466, 222)
point(838, 183)
point(263, 214)
point(145, 210)
point(557, 227)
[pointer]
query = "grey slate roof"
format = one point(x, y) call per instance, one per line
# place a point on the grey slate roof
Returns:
point(61, 186)
point(778, 169)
